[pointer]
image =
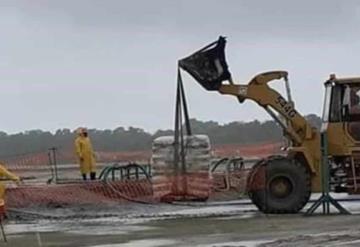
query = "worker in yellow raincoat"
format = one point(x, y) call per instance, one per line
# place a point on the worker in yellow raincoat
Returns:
point(5, 174)
point(85, 154)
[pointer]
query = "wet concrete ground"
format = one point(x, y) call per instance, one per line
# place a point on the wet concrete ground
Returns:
point(218, 231)
point(215, 224)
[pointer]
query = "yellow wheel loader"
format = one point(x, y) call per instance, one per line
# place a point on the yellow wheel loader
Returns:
point(283, 184)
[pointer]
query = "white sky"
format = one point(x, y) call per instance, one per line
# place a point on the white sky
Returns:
point(108, 63)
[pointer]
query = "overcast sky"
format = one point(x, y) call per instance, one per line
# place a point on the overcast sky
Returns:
point(108, 63)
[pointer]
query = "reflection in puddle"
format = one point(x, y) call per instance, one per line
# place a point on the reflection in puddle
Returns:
point(141, 243)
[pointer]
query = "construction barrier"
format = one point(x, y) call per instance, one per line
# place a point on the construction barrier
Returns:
point(27, 161)
point(77, 194)
point(197, 183)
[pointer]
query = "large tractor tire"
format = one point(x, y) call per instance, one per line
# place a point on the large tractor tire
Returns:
point(279, 185)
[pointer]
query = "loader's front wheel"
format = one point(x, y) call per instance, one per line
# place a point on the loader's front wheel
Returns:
point(279, 185)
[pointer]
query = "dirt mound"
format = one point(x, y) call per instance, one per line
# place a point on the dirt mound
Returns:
point(259, 150)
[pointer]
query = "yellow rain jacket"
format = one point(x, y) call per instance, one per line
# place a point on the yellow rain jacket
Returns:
point(85, 154)
point(5, 174)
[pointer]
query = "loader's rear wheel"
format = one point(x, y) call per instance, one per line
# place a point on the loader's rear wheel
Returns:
point(285, 186)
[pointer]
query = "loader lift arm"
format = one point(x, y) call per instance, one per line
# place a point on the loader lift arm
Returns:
point(259, 91)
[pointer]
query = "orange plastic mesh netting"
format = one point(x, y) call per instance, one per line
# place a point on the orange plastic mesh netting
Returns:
point(37, 168)
point(86, 193)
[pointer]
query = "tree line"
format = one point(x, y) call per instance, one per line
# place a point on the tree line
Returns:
point(135, 139)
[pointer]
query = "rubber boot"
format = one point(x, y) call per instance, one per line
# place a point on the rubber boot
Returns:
point(84, 176)
point(92, 175)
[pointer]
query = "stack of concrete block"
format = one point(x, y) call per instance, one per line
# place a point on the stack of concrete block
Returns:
point(192, 182)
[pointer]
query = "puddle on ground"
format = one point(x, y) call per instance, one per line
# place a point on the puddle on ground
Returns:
point(141, 243)
point(237, 217)
point(107, 230)
point(236, 244)
point(75, 228)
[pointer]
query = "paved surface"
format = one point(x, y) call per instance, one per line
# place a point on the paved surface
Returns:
point(215, 224)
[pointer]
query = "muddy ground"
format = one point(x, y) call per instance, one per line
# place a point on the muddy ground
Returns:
point(233, 223)
point(212, 224)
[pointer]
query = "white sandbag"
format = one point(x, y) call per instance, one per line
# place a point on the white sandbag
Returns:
point(194, 177)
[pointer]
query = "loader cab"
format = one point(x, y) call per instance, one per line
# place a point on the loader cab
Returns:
point(341, 113)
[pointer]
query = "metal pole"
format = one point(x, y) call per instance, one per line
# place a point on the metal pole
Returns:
point(324, 162)
point(325, 200)
point(3, 231)
point(137, 173)
point(184, 105)
point(54, 162)
point(51, 167)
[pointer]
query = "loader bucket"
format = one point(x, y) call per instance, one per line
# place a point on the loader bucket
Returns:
point(208, 66)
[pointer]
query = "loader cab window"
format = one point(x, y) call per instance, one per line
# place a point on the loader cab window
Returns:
point(332, 103)
point(351, 110)
point(335, 104)
point(342, 103)
point(351, 103)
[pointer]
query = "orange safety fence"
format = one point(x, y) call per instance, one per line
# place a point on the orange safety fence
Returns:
point(26, 161)
point(134, 156)
point(100, 193)
point(41, 168)
point(18, 161)
point(65, 156)
point(46, 163)
point(75, 194)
